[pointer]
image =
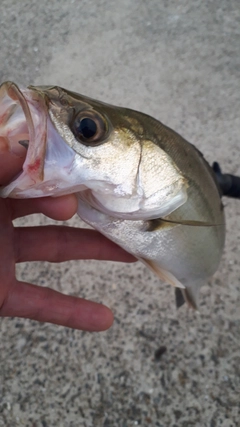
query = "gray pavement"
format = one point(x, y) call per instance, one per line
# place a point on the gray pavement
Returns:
point(180, 62)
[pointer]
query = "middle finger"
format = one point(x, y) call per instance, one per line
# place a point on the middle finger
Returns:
point(59, 243)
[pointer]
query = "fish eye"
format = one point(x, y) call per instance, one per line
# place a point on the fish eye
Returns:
point(89, 127)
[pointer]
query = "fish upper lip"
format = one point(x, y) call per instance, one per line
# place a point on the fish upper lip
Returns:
point(15, 118)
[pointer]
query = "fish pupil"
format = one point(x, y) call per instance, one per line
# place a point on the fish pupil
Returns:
point(87, 128)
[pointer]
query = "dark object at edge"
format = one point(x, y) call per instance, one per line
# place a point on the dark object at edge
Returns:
point(229, 184)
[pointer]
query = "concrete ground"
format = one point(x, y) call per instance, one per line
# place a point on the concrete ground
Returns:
point(180, 62)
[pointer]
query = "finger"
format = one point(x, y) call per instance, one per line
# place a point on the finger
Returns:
point(58, 243)
point(59, 208)
point(46, 305)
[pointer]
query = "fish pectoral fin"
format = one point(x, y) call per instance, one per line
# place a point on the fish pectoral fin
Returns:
point(182, 296)
point(188, 295)
point(190, 298)
point(163, 274)
point(183, 293)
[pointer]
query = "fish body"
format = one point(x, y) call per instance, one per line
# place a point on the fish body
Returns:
point(138, 182)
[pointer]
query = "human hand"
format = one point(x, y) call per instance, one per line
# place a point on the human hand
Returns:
point(47, 243)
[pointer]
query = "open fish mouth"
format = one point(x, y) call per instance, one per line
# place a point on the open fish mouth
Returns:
point(23, 126)
point(26, 130)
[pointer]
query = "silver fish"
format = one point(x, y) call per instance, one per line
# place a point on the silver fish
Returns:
point(138, 182)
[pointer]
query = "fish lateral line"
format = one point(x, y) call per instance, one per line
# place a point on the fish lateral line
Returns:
point(191, 223)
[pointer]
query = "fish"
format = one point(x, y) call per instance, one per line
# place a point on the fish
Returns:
point(137, 181)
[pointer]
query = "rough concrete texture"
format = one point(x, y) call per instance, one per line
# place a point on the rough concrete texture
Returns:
point(178, 61)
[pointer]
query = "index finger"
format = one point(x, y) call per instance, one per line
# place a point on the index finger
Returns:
point(60, 243)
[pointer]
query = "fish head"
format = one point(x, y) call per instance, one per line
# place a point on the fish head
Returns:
point(109, 155)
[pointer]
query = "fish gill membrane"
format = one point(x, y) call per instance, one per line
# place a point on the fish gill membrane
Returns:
point(137, 181)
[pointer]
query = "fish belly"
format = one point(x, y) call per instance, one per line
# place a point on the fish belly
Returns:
point(189, 254)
